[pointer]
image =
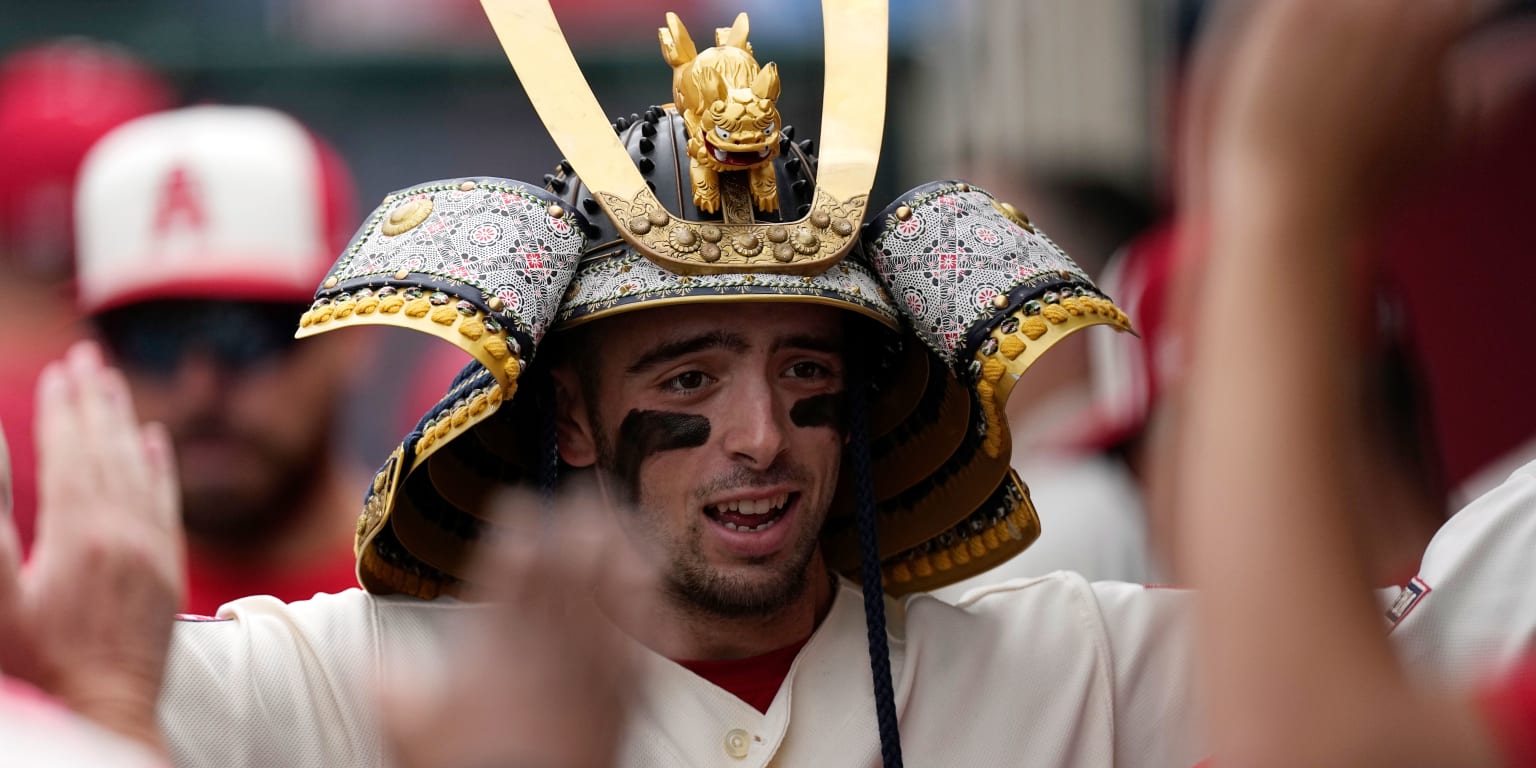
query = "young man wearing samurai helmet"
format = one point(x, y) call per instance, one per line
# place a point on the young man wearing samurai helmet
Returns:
point(783, 383)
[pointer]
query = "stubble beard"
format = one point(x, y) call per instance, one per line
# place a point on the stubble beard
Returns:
point(691, 582)
point(247, 522)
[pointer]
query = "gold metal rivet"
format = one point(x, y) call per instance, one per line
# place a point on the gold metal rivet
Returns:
point(402, 274)
point(903, 212)
point(710, 252)
point(820, 219)
point(685, 237)
point(330, 282)
point(406, 216)
point(495, 304)
point(467, 186)
point(806, 241)
point(784, 252)
point(710, 233)
point(658, 217)
point(778, 234)
point(1000, 301)
point(639, 225)
point(964, 187)
point(842, 227)
point(556, 211)
point(747, 244)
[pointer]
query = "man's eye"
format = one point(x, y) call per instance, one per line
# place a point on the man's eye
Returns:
point(687, 381)
point(808, 370)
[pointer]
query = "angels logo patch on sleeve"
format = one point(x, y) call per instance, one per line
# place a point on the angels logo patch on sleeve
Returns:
point(1411, 594)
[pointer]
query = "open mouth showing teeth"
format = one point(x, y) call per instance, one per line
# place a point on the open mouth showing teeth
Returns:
point(751, 515)
point(738, 158)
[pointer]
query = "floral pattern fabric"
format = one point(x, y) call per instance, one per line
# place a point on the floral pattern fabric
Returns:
point(494, 237)
point(946, 252)
point(625, 279)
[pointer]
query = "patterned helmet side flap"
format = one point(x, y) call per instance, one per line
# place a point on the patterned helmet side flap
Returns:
point(479, 262)
point(424, 511)
point(984, 288)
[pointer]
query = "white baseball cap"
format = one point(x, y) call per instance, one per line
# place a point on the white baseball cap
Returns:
point(209, 202)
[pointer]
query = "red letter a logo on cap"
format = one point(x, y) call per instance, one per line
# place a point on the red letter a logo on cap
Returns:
point(178, 202)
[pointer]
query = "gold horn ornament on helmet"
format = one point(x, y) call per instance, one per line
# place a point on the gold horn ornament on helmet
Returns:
point(853, 122)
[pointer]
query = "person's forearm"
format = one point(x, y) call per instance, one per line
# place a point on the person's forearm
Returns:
point(1292, 631)
point(1270, 429)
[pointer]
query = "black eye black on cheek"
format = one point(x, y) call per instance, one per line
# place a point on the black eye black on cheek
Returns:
point(826, 410)
point(643, 434)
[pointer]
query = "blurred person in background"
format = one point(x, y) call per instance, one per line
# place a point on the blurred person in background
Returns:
point(202, 233)
point(56, 100)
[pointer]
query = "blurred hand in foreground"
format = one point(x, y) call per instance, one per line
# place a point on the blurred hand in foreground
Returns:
point(1337, 102)
point(542, 676)
point(88, 619)
point(1321, 109)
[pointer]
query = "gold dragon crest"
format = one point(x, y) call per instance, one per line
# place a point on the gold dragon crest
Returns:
point(728, 104)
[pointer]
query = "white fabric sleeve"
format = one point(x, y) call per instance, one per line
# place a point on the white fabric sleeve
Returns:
point(1140, 705)
point(269, 684)
point(1476, 611)
point(1158, 717)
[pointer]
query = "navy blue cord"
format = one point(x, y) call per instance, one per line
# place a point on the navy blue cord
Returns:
point(549, 463)
point(869, 569)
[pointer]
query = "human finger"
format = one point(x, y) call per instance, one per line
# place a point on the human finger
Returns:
point(558, 556)
point(114, 450)
point(10, 557)
point(1492, 74)
point(7, 500)
point(56, 429)
point(410, 705)
point(1200, 100)
point(562, 585)
point(164, 483)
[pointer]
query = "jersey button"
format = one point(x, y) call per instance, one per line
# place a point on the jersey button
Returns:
point(736, 742)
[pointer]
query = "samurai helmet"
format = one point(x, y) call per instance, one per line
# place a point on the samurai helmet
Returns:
point(710, 199)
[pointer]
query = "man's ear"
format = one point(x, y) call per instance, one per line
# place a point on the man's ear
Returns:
point(573, 426)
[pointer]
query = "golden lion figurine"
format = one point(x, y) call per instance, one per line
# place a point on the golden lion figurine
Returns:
point(727, 103)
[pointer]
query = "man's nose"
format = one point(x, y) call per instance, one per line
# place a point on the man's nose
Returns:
point(197, 380)
point(755, 429)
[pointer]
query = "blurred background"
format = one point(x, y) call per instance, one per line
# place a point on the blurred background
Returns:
point(1065, 107)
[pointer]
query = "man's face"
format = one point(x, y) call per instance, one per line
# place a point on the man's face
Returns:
point(248, 409)
point(723, 425)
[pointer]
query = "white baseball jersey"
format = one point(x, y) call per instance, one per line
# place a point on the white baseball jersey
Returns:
point(1471, 610)
point(1045, 671)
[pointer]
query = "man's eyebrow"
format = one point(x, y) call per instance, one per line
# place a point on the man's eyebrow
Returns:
point(829, 344)
point(671, 349)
